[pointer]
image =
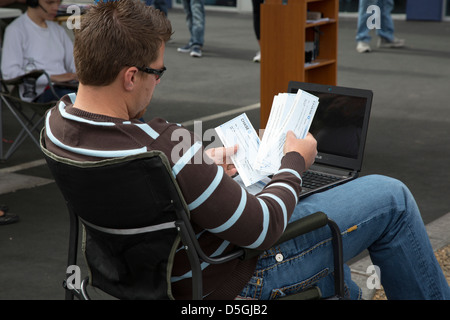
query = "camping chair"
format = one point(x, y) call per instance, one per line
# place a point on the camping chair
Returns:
point(134, 217)
point(30, 115)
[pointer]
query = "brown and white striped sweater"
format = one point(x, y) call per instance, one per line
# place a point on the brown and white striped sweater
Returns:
point(224, 214)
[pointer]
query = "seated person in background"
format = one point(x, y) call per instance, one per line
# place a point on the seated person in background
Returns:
point(374, 212)
point(35, 37)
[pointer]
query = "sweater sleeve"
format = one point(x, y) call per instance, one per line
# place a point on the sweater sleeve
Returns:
point(12, 53)
point(66, 42)
point(222, 207)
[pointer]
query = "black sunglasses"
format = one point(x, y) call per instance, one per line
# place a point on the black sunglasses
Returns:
point(158, 72)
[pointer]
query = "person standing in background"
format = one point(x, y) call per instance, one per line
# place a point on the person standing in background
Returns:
point(195, 20)
point(256, 26)
point(161, 5)
point(385, 31)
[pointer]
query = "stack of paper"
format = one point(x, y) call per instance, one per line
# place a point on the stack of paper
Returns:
point(289, 112)
point(257, 159)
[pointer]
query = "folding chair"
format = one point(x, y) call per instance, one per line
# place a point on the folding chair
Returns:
point(30, 115)
point(134, 218)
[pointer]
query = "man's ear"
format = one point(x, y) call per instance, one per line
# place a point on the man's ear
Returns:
point(129, 78)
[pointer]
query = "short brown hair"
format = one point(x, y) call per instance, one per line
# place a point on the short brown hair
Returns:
point(117, 34)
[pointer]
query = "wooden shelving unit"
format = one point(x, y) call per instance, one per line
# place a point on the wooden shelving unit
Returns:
point(284, 31)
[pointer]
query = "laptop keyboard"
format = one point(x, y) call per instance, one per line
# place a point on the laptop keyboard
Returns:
point(313, 180)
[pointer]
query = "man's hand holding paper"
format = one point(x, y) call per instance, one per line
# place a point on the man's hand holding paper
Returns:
point(222, 157)
point(307, 147)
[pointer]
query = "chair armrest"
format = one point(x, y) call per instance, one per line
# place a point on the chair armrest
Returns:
point(32, 74)
point(303, 225)
point(68, 84)
point(294, 229)
point(18, 80)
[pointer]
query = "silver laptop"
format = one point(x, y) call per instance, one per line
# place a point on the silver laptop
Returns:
point(340, 127)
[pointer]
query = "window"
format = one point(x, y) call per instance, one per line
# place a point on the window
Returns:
point(352, 6)
point(223, 3)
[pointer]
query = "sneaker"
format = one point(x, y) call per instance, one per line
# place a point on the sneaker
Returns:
point(396, 43)
point(8, 218)
point(362, 47)
point(257, 58)
point(196, 51)
point(185, 49)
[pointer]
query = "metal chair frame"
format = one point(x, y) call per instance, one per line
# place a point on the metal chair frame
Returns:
point(30, 125)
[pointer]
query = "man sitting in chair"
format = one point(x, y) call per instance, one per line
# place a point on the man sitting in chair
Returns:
point(119, 55)
point(35, 38)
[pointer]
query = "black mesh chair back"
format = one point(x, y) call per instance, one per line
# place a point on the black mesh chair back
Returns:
point(128, 208)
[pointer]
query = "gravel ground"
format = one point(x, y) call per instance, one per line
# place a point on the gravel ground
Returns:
point(442, 255)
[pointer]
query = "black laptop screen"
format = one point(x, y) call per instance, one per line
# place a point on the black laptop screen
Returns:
point(338, 123)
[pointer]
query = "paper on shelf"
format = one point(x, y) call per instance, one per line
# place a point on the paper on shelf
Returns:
point(317, 20)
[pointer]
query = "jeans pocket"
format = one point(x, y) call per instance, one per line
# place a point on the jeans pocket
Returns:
point(299, 286)
point(252, 289)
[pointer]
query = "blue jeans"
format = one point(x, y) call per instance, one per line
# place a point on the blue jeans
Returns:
point(373, 212)
point(195, 20)
point(48, 96)
point(387, 25)
point(159, 4)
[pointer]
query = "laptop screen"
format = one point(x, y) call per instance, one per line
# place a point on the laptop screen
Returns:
point(340, 123)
